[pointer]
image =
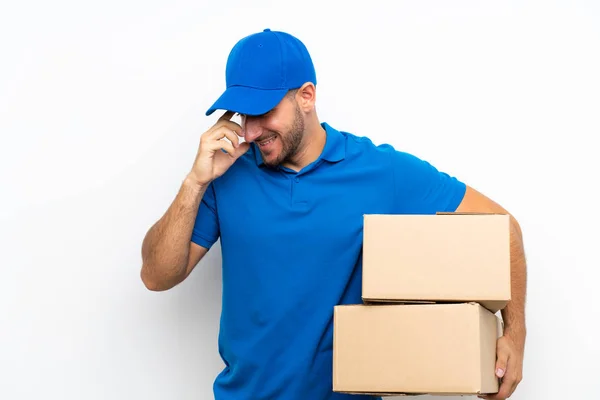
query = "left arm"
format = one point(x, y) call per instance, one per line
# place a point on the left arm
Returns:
point(420, 188)
point(511, 345)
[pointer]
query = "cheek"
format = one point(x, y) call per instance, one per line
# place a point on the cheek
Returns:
point(278, 126)
point(279, 121)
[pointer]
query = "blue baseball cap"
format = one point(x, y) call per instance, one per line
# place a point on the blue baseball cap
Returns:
point(261, 69)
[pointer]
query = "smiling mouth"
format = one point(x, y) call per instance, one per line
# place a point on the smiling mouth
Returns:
point(266, 141)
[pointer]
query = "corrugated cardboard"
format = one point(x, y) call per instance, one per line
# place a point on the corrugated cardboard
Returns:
point(437, 258)
point(415, 349)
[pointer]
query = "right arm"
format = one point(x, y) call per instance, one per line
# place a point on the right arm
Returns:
point(168, 253)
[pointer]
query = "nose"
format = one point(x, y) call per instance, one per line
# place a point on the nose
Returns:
point(251, 129)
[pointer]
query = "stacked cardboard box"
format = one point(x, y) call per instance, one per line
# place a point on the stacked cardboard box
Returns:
point(433, 286)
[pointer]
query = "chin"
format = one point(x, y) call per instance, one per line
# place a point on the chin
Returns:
point(273, 158)
point(271, 161)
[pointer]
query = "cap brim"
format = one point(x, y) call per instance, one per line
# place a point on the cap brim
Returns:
point(248, 101)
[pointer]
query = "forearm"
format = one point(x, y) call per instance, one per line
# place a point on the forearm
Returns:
point(514, 313)
point(165, 249)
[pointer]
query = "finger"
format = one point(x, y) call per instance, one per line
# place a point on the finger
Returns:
point(501, 361)
point(226, 116)
point(496, 396)
point(236, 128)
point(504, 391)
point(222, 145)
point(226, 133)
point(224, 120)
point(509, 383)
point(241, 149)
point(511, 378)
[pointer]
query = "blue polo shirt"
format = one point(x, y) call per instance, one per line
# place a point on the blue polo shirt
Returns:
point(291, 249)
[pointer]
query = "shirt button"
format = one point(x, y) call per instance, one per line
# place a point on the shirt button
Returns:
point(297, 180)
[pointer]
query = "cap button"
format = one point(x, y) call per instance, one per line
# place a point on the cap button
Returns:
point(267, 30)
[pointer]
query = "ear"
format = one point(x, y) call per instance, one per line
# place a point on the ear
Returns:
point(306, 96)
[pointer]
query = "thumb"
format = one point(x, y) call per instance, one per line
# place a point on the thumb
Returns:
point(501, 362)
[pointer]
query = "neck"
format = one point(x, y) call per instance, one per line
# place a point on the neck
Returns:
point(311, 147)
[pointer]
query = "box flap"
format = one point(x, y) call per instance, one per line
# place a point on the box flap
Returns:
point(392, 301)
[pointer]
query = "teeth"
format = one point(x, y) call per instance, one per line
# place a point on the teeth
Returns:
point(266, 141)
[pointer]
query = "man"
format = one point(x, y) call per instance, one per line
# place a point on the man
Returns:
point(288, 205)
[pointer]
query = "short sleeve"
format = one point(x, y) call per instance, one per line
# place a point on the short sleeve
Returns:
point(420, 188)
point(206, 226)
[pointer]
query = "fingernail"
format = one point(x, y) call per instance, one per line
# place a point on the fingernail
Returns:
point(500, 372)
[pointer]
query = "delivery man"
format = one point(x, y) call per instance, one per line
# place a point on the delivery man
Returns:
point(287, 203)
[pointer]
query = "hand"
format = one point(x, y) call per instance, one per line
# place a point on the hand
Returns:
point(215, 155)
point(509, 367)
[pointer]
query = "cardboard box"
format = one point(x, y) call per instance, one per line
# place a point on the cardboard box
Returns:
point(415, 349)
point(448, 257)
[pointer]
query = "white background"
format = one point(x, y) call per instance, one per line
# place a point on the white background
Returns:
point(101, 108)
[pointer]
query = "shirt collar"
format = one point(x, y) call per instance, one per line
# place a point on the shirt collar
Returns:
point(335, 145)
point(334, 150)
